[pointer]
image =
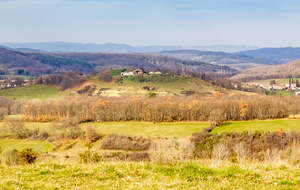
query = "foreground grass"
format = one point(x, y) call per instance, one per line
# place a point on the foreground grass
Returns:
point(37, 91)
point(257, 125)
point(133, 175)
point(147, 129)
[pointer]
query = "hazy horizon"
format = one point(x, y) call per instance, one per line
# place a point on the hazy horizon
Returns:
point(262, 23)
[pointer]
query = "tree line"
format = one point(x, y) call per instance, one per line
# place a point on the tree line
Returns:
point(64, 80)
point(217, 109)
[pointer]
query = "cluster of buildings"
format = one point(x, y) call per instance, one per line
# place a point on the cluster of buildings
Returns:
point(139, 72)
point(274, 87)
point(11, 83)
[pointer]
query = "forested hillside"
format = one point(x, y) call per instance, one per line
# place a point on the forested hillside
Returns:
point(38, 63)
point(280, 71)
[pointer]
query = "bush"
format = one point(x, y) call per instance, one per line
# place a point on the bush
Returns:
point(28, 156)
point(12, 158)
point(172, 150)
point(133, 156)
point(16, 128)
point(91, 135)
point(89, 157)
point(122, 142)
point(243, 145)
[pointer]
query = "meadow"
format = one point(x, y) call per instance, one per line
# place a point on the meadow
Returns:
point(149, 129)
point(37, 91)
point(259, 125)
point(145, 175)
point(60, 168)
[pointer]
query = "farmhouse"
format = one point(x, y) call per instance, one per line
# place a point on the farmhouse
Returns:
point(135, 72)
point(126, 73)
point(154, 73)
point(138, 72)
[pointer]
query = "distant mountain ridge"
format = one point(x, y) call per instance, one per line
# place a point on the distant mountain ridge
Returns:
point(285, 54)
point(122, 48)
point(236, 61)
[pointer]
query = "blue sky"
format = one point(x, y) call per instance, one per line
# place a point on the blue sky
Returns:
point(264, 23)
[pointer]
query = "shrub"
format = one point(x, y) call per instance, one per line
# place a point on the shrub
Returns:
point(138, 156)
point(43, 135)
point(16, 127)
point(122, 142)
point(91, 135)
point(27, 156)
point(221, 151)
point(133, 156)
point(12, 158)
point(171, 150)
point(89, 157)
point(258, 145)
point(152, 94)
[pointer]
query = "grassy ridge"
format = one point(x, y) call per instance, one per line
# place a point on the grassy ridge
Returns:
point(130, 175)
point(266, 125)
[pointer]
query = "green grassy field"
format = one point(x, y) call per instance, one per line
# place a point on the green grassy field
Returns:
point(148, 129)
point(39, 146)
point(140, 175)
point(30, 92)
point(116, 72)
point(283, 93)
point(267, 125)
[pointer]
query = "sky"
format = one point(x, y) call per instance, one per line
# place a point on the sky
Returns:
point(263, 23)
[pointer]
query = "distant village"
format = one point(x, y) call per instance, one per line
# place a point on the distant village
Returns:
point(12, 82)
point(274, 87)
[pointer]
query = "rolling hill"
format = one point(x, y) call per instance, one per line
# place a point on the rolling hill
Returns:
point(160, 85)
point(236, 61)
point(279, 71)
point(285, 55)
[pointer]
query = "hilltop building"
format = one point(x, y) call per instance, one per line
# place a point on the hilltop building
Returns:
point(134, 72)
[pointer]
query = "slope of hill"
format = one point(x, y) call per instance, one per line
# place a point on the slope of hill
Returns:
point(34, 63)
point(88, 47)
point(160, 85)
point(279, 71)
point(236, 61)
point(285, 55)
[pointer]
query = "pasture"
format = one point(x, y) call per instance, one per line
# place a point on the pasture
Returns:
point(259, 125)
point(37, 91)
point(144, 175)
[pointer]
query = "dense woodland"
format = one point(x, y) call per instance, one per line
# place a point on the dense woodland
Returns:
point(215, 109)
